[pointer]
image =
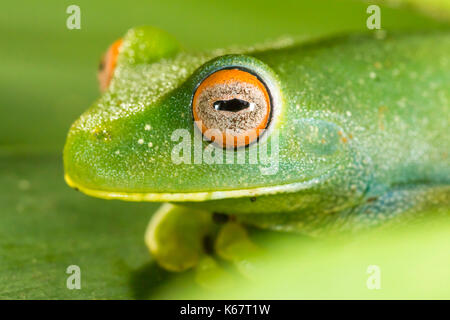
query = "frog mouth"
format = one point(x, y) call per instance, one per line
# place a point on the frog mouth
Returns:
point(197, 196)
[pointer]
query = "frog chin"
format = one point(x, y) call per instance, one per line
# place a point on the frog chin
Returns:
point(199, 196)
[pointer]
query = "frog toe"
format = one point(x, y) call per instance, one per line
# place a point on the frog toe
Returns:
point(234, 244)
point(175, 236)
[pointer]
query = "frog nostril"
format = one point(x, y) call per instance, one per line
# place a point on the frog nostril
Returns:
point(233, 105)
point(102, 134)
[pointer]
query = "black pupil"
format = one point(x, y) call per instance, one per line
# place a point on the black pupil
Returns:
point(233, 105)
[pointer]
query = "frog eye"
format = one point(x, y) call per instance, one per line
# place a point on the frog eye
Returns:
point(232, 107)
point(108, 64)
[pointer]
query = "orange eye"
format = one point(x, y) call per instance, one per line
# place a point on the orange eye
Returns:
point(108, 64)
point(231, 107)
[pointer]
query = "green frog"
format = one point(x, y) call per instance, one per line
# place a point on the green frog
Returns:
point(324, 136)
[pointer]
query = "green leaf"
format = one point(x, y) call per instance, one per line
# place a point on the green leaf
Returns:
point(46, 226)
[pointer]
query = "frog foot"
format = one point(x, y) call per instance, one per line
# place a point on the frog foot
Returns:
point(177, 237)
point(181, 238)
point(234, 244)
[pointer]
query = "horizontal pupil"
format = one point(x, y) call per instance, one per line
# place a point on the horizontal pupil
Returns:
point(233, 105)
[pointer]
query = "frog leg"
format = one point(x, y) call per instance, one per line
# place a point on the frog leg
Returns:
point(384, 209)
point(181, 238)
point(176, 236)
point(398, 205)
point(380, 208)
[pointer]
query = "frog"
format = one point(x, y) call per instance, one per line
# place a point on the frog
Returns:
point(329, 135)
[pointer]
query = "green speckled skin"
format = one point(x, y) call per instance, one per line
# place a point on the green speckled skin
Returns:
point(360, 120)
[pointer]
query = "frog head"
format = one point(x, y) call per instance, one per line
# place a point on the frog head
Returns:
point(193, 127)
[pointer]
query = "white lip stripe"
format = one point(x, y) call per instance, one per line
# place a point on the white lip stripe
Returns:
point(196, 196)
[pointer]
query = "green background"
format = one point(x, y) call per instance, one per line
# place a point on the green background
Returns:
point(48, 78)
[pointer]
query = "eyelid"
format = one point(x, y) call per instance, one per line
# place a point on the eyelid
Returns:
point(108, 64)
